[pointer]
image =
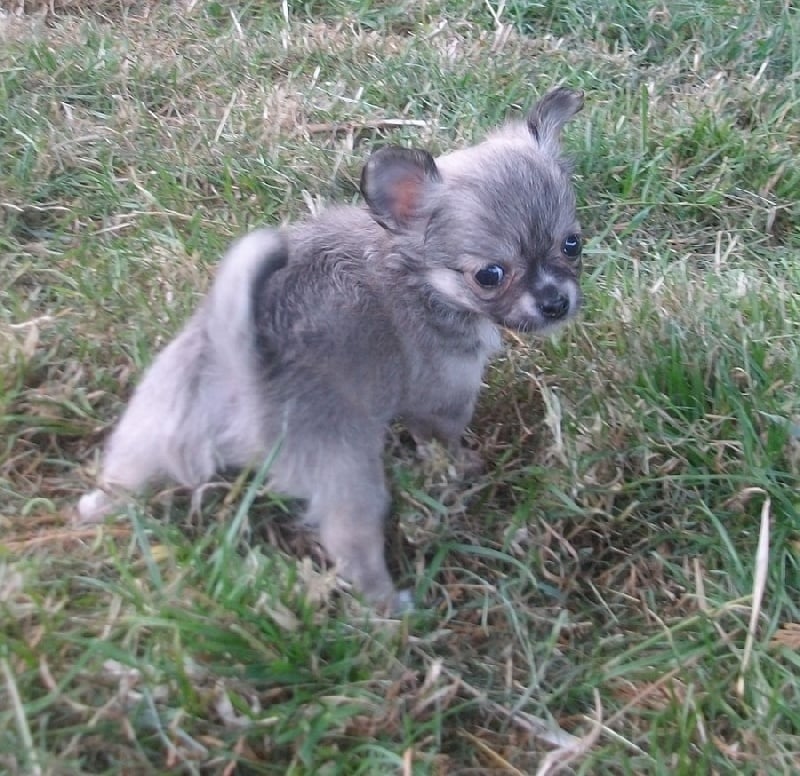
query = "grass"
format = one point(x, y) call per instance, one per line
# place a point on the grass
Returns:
point(590, 600)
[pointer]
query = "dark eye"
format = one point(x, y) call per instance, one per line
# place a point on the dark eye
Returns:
point(490, 276)
point(573, 246)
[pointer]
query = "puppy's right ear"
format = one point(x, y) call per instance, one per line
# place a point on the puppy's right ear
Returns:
point(394, 182)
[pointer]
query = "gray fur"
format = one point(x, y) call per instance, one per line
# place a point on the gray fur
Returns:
point(321, 334)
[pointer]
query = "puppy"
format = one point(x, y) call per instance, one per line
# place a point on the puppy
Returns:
point(314, 338)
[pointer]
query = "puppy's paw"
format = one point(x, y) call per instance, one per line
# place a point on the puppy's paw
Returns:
point(402, 603)
point(93, 507)
point(431, 452)
point(393, 605)
point(468, 463)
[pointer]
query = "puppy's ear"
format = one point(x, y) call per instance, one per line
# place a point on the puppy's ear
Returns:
point(550, 114)
point(394, 182)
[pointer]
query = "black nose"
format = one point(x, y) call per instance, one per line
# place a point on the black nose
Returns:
point(555, 306)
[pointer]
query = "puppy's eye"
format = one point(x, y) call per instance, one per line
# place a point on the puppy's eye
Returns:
point(491, 276)
point(573, 246)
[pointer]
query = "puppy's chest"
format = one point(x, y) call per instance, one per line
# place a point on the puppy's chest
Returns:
point(455, 374)
point(441, 371)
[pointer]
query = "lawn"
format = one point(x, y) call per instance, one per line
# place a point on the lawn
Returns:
point(619, 594)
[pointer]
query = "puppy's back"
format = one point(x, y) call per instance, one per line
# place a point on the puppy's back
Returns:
point(322, 323)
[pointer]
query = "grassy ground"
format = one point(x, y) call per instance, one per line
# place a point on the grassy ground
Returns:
point(598, 602)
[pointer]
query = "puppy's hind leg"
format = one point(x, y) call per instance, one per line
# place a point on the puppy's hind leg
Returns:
point(185, 419)
point(349, 504)
point(139, 457)
point(163, 434)
point(131, 463)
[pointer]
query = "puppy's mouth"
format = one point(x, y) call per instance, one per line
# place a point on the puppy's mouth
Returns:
point(532, 326)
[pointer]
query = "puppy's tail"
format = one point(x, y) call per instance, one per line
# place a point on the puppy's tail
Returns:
point(230, 313)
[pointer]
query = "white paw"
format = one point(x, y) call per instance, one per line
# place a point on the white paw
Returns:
point(93, 507)
point(403, 603)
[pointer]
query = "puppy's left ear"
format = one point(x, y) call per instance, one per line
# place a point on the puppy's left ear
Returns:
point(550, 114)
point(394, 183)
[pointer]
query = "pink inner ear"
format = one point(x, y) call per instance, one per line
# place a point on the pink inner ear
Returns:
point(406, 193)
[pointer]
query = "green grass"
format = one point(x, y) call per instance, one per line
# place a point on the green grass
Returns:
point(594, 590)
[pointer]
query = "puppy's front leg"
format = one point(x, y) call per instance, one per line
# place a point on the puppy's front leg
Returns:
point(448, 426)
point(349, 504)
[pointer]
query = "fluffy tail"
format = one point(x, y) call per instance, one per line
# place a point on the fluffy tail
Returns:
point(229, 316)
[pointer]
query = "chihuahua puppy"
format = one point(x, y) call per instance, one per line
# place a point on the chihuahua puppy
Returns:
point(314, 338)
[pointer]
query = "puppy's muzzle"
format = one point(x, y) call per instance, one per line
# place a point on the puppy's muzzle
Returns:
point(554, 304)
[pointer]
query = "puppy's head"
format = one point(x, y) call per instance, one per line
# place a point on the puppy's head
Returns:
point(490, 229)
